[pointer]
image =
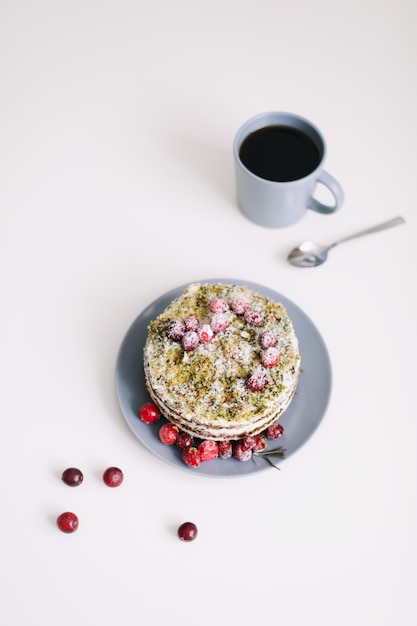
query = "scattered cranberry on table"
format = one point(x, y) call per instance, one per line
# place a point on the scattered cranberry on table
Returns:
point(187, 531)
point(67, 522)
point(113, 477)
point(72, 476)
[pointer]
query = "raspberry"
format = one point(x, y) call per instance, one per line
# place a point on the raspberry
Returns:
point(187, 531)
point(260, 443)
point(241, 452)
point(190, 340)
point(254, 317)
point(67, 522)
point(257, 381)
point(72, 477)
point(184, 440)
point(239, 306)
point(113, 477)
point(208, 450)
point(191, 323)
point(168, 434)
point(175, 330)
point(275, 431)
point(205, 333)
point(249, 442)
point(270, 357)
point(191, 457)
point(267, 339)
point(219, 322)
point(218, 305)
point(225, 449)
point(149, 413)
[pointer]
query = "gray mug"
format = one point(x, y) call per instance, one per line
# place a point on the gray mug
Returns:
point(278, 162)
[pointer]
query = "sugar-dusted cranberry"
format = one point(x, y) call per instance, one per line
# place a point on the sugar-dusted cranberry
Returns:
point(254, 317)
point(187, 531)
point(239, 306)
point(205, 333)
point(191, 323)
point(219, 322)
point(241, 452)
point(208, 450)
point(225, 449)
point(191, 457)
point(175, 330)
point(190, 340)
point(257, 381)
point(72, 477)
point(184, 440)
point(275, 431)
point(249, 442)
point(113, 477)
point(260, 443)
point(267, 339)
point(218, 305)
point(67, 522)
point(149, 413)
point(168, 434)
point(270, 357)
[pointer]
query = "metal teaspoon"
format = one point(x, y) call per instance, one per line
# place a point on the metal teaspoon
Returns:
point(310, 254)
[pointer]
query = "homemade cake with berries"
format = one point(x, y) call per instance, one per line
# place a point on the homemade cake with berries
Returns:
point(221, 361)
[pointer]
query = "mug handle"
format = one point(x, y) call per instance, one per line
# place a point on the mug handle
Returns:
point(335, 189)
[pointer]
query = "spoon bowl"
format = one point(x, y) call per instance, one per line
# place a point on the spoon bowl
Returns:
point(310, 254)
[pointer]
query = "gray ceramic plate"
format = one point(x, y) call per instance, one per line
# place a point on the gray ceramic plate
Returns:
point(299, 421)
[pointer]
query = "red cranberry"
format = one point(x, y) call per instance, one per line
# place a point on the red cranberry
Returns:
point(168, 434)
point(208, 450)
point(218, 305)
point(190, 340)
point(191, 457)
point(241, 452)
point(219, 322)
point(257, 381)
point(205, 333)
point(260, 443)
point(67, 522)
point(191, 323)
point(184, 440)
point(254, 317)
point(270, 357)
point(175, 330)
point(239, 306)
point(275, 431)
point(149, 413)
point(225, 449)
point(113, 477)
point(187, 531)
point(72, 477)
point(249, 442)
point(267, 339)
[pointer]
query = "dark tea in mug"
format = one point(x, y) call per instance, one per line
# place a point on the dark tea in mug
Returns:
point(279, 153)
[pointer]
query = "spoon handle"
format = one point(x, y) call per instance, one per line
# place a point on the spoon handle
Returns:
point(373, 229)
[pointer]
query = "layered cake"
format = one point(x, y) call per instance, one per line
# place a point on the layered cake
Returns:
point(222, 361)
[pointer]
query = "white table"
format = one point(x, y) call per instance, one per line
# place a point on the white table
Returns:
point(117, 122)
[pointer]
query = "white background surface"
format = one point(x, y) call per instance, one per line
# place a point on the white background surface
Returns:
point(117, 184)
